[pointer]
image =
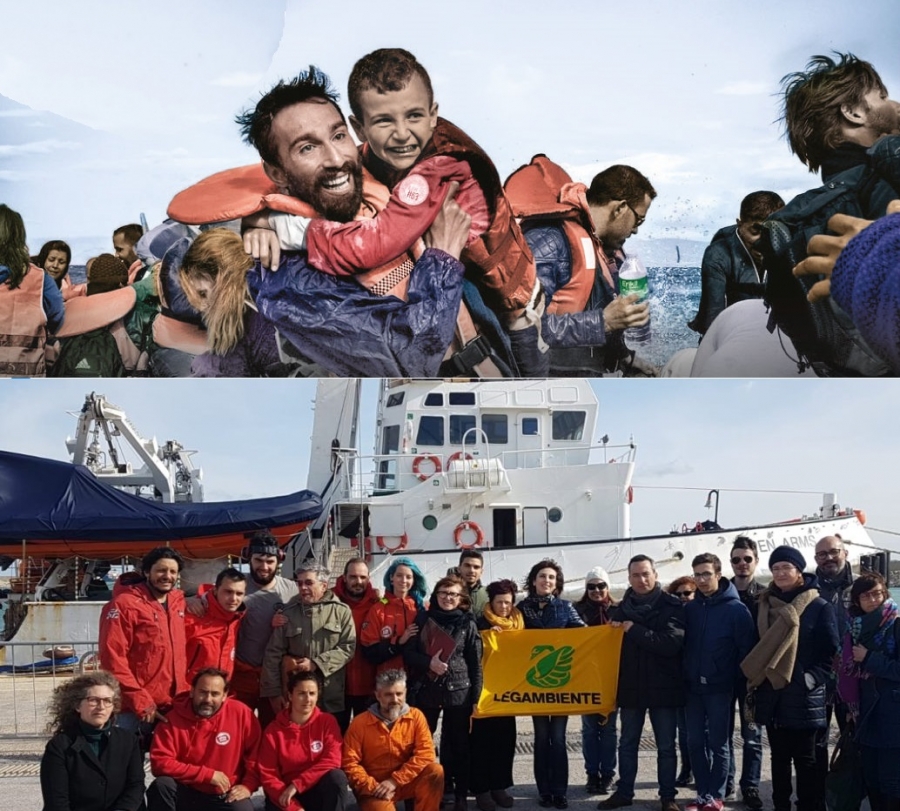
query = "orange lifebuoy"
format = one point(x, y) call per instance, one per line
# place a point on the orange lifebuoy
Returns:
point(404, 540)
point(363, 546)
point(629, 495)
point(459, 455)
point(417, 462)
point(860, 516)
point(462, 527)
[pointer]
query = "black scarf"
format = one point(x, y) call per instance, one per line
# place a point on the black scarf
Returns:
point(451, 620)
point(641, 608)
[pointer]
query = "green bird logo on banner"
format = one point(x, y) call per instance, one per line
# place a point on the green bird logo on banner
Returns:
point(553, 669)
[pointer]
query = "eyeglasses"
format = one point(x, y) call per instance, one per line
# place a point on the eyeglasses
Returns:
point(96, 701)
point(596, 586)
point(638, 219)
point(687, 593)
point(449, 595)
point(745, 559)
point(829, 553)
point(785, 568)
point(872, 596)
point(703, 575)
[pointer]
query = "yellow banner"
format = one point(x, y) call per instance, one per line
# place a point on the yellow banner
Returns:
point(565, 671)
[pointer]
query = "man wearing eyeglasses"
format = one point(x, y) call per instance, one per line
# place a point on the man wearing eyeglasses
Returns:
point(578, 255)
point(318, 635)
point(835, 581)
point(718, 634)
point(744, 560)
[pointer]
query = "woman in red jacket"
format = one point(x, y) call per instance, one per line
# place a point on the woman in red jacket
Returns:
point(300, 753)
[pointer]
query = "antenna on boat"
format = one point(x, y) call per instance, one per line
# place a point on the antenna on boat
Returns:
point(605, 441)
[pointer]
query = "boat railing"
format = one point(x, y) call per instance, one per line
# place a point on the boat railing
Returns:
point(364, 476)
point(29, 672)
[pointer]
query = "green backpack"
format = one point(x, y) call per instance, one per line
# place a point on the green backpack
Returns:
point(92, 354)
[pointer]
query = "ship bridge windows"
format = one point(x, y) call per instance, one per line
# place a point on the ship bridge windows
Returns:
point(459, 424)
point(386, 478)
point(431, 431)
point(496, 428)
point(434, 399)
point(390, 439)
point(459, 398)
point(530, 426)
point(569, 425)
point(395, 399)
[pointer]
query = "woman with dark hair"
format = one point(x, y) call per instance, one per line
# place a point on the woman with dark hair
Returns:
point(90, 764)
point(300, 752)
point(543, 608)
point(685, 589)
point(493, 740)
point(30, 302)
point(391, 622)
point(598, 732)
point(54, 258)
point(444, 660)
point(869, 683)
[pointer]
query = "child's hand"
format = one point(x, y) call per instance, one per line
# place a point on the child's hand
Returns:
point(262, 244)
point(450, 228)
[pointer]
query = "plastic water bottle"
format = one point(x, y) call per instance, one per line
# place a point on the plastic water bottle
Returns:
point(633, 279)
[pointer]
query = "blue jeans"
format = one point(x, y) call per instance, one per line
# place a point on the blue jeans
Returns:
point(751, 735)
point(551, 761)
point(663, 721)
point(707, 716)
point(598, 745)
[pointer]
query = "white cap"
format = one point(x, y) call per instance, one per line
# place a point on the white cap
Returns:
point(597, 573)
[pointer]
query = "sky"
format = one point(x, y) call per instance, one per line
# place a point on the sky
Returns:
point(107, 109)
point(795, 439)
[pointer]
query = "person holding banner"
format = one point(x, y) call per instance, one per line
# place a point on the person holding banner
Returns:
point(650, 680)
point(444, 661)
point(543, 608)
point(598, 732)
point(493, 740)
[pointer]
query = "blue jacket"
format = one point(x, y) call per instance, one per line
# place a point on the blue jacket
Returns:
point(718, 634)
point(558, 613)
point(576, 340)
point(727, 275)
point(879, 700)
point(796, 706)
point(345, 328)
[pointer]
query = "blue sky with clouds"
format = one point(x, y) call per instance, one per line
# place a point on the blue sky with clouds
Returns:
point(110, 108)
point(741, 436)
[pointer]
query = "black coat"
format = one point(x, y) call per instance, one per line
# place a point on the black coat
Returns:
point(73, 778)
point(796, 706)
point(650, 671)
point(461, 684)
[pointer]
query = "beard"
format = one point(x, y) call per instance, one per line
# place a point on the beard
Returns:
point(342, 209)
point(262, 580)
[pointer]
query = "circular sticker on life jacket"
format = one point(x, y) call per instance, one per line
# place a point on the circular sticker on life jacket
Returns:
point(386, 632)
point(413, 190)
point(316, 746)
point(222, 738)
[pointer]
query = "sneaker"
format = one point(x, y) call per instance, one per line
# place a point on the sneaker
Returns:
point(669, 805)
point(485, 802)
point(694, 805)
point(712, 805)
point(730, 793)
point(545, 801)
point(606, 784)
point(502, 797)
point(593, 784)
point(750, 797)
point(615, 800)
point(560, 801)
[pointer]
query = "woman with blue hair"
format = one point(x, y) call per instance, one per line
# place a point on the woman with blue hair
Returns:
point(391, 622)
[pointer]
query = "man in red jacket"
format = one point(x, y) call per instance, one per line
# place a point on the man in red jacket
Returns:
point(142, 638)
point(204, 757)
point(211, 638)
point(354, 588)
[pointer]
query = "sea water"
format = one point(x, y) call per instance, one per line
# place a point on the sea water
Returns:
point(674, 298)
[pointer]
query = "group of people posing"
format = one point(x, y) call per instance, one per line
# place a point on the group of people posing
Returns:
point(408, 255)
point(319, 695)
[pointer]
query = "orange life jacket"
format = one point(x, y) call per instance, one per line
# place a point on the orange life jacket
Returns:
point(543, 191)
point(23, 326)
point(500, 261)
point(245, 190)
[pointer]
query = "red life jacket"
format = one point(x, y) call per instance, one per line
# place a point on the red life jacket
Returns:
point(543, 191)
point(23, 333)
point(500, 261)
